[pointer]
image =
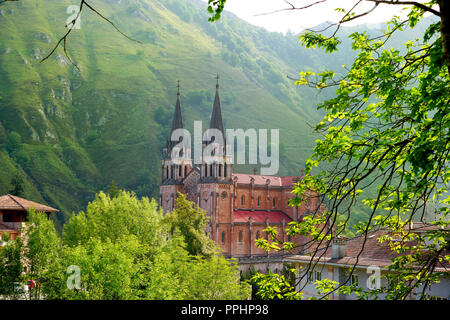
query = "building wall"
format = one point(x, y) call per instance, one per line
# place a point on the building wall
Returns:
point(262, 265)
point(219, 199)
point(341, 274)
point(439, 290)
point(168, 195)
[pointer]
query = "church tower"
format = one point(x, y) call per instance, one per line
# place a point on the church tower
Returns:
point(215, 184)
point(176, 163)
point(216, 165)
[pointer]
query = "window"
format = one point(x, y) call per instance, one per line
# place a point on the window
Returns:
point(179, 171)
point(225, 171)
point(220, 170)
point(223, 237)
point(211, 170)
point(274, 202)
point(240, 237)
point(318, 275)
point(259, 201)
point(242, 200)
point(257, 234)
point(185, 171)
point(354, 279)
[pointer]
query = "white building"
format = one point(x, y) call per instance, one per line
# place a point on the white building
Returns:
point(370, 265)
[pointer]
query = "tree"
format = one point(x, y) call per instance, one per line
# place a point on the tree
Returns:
point(41, 250)
point(17, 185)
point(11, 267)
point(14, 142)
point(113, 218)
point(113, 191)
point(16, 150)
point(215, 278)
point(190, 220)
point(123, 249)
point(388, 126)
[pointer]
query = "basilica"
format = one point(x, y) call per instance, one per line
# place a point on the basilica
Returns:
point(239, 205)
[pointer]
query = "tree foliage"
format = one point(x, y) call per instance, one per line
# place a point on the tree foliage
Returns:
point(17, 185)
point(10, 266)
point(121, 248)
point(387, 126)
point(190, 221)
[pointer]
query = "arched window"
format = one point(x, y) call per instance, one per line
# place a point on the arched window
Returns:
point(211, 170)
point(223, 237)
point(242, 200)
point(220, 170)
point(185, 171)
point(273, 202)
point(240, 237)
point(225, 170)
point(171, 171)
point(179, 171)
point(259, 201)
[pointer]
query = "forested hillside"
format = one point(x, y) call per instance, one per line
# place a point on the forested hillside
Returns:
point(71, 132)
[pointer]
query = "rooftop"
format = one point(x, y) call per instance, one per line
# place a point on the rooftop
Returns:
point(10, 202)
point(260, 216)
point(273, 181)
point(368, 252)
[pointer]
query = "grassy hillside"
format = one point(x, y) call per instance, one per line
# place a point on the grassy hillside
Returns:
point(79, 130)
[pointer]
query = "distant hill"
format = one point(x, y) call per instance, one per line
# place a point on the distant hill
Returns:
point(81, 130)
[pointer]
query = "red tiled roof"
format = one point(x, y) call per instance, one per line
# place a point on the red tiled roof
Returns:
point(9, 202)
point(276, 181)
point(260, 216)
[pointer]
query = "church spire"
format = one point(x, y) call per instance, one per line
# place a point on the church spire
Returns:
point(216, 116)
point(177, 122)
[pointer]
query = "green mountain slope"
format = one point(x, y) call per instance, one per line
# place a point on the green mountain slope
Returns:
point(81, 130)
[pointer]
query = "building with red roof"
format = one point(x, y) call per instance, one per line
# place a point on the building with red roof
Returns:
point(239, 205)
point(14, 210)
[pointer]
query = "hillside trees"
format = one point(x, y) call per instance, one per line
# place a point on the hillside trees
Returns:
point(17, 185)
